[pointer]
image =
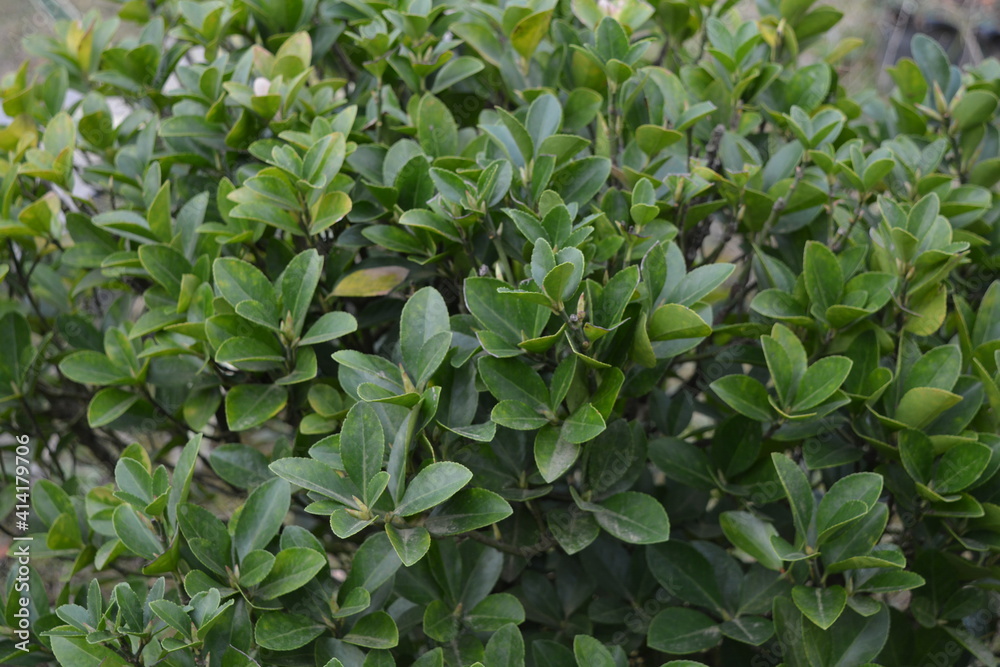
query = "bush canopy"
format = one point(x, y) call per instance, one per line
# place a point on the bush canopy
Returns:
point(354, 333)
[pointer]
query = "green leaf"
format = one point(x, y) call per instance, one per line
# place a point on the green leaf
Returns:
point(293, 568)
point(528, 33)
point(701, 282)
point(505, 315)
point(824, 279)
point(675, 322)
point(921, 405)
point(583, 425)
point(938, 368)
point(467, 510)
point(165, 265)
point(652, 138)
point(679, 630)
point(331, 208)
point(345, 524)
point(923, 215)
point(685, 573)
point(49, 500)
point(917, 454)
point(890, 581)
point(436, 128)
point(248, 353)
point(183, 474)
point(753, 630)
point(544, 118)
point(376, 630)
point(432, 486)
point(411, 544)
point(554, 455)
point(835, 508)
point(423, 327)
point(582, 106)
point(374, 281)
point(173, 615)
point(250, 405)
point(511, 380)
point(239, 281)
point(255, 566)
point(852, 640)
point(108, 405)
point(693, 114)
point(973, 644)
point(505, 648)
point(580, 180)
point(820, 381)
point(374, 563)
point(262, 516)
point(16, 333)
point(362, 447)
point(561, 282)
point(987, 323)
point(752, 535)
point(424, 315)
point(90, 367)
point(353, 603)
point(634, 517)
point(573, 530)
point(745, 395)
point(328, 327)
point(798, 490)
point(136, 532)
point(517, 415)
point(78, 652)
point(495, 611)
point(590, 652)
point(682, 462)
point(64, 533)
point(822, 606)
point(440, 621)
point(298, 284)
point(133, 478)
point(975, 108)
point(960, 466)
point(282, 631)
point(452, 187)
point(240, 465)
point(315, 476)
point(455, 70)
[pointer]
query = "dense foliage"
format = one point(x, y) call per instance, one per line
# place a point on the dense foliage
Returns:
point(361, 333)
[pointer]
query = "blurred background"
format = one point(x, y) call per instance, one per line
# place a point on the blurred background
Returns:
point(968, 29)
